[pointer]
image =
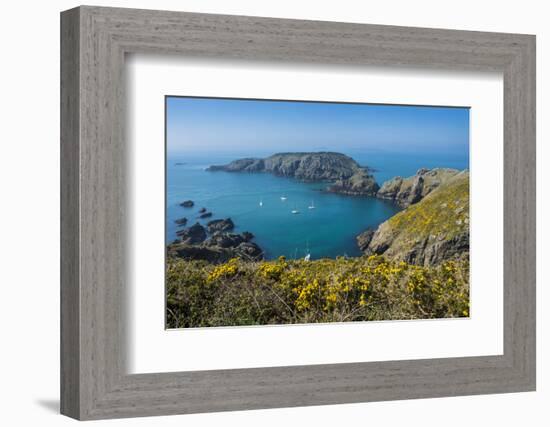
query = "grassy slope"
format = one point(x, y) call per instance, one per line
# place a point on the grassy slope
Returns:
point(441, 216)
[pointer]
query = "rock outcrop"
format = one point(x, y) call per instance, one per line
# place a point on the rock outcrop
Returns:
point(427, 232)
point(191, 235)
point(228, 240)
point(364, 239)
point(248, 251)
point(360, 183)
point(181, 221)
point(220, 247)
point(220, 225)
point(211, 254)
point(408, 191)
point(187, 204)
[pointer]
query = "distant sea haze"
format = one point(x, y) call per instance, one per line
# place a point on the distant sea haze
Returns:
point(262, 203)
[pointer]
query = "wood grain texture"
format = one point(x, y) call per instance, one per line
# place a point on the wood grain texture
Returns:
point(70, 220)
point(95, 40)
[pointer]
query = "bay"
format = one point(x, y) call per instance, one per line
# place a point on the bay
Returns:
point(253, 202)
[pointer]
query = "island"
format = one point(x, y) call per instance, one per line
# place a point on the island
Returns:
point(342, 173)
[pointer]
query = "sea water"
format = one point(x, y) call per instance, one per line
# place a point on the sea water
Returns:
point(254, 202)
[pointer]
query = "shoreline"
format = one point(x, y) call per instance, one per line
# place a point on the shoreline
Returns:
point(346, 179)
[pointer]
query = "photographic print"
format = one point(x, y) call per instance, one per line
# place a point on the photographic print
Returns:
point(286, 212)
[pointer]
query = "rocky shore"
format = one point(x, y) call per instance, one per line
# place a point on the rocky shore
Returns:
point(214, 243)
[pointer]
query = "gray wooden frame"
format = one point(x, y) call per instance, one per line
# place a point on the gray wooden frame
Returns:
point(94, 382)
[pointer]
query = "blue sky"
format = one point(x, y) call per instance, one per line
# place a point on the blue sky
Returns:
point(265, 127)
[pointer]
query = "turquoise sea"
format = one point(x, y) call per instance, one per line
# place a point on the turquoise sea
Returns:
point(328, 230)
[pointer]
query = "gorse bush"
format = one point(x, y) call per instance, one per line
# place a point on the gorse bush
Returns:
point(326, 290)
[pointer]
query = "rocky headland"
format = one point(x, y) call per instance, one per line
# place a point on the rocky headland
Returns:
point(407, 191)
point(427, 232)
point(361, 183)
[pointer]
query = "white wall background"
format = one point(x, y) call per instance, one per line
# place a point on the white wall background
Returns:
point(29, 225)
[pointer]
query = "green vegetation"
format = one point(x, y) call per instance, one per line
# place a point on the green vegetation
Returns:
point(430, 231)
point(328, 290)
point(444, 212)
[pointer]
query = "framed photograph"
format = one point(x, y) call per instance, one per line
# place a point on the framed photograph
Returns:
point(262, 213)
point(308, 235)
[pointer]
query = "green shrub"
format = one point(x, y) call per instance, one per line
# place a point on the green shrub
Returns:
point(327, 290)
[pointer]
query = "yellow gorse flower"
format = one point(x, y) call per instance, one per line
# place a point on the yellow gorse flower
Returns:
point(291, 291)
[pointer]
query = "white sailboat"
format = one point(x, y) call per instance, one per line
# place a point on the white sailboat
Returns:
point(308, 254)
point(261, 203)
point(312, 206)
point(295, 211)
point(283, 198)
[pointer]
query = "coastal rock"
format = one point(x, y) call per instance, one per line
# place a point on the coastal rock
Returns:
point(181, 221)
point(430, 231)
point(408, 191)
point(213, 254)
point(205, 215)
point(364, 239)
point(194, 234)
point(202, 210)
point(220, 225)
point(219, 248)
point(187, 204)
point(247, 235)
point(226, 240)
point(390, 189)
point(229, 240)
point(249, 251)
point(360, 183)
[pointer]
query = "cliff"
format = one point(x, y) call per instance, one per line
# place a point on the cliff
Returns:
point(361, 183)
point(427, 232)
point(407, 191)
